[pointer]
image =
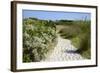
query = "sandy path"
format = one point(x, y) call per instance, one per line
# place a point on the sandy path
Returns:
point(64, 51)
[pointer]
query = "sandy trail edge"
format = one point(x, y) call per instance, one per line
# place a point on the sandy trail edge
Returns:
point(64, 51)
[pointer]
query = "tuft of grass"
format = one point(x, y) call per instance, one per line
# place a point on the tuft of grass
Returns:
point(76, 41)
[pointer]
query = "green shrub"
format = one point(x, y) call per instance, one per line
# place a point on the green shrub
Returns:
point(39, 37)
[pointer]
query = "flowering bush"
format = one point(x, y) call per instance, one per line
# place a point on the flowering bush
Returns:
point(39, 37)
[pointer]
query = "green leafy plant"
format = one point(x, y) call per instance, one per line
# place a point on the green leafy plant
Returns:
point(39, 37)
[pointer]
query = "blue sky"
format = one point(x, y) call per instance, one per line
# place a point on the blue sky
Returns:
point(53, 15)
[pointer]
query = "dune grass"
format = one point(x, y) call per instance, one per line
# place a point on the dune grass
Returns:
point(79, 33)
